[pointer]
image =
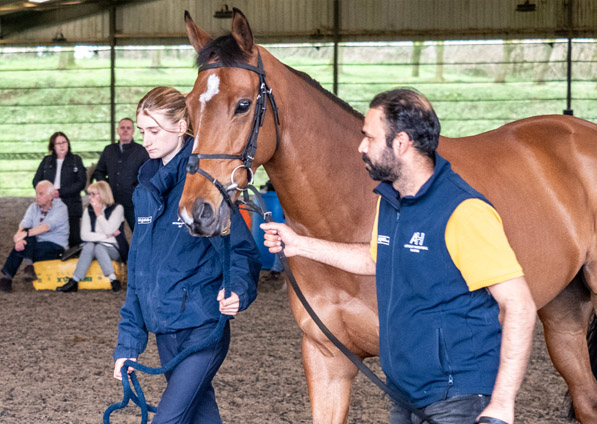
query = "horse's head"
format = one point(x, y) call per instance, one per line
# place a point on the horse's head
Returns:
point(227, 107)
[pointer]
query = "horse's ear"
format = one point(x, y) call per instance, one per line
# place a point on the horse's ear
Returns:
point(197, 36)
point(241, 31)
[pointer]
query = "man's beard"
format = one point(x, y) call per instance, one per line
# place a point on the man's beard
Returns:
point(387, 169)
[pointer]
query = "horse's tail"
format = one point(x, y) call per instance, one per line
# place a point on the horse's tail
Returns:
point(592, 343)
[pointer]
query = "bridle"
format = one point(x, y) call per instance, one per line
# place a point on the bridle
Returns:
point(248, 154)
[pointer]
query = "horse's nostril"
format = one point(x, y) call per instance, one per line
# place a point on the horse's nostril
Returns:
point(202, 211)
point(207, 212)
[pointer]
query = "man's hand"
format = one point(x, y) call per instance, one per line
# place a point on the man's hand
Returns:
point(20, 245)
point(19, 235)
point(118, 365)
point(276, 234)
point(494, 411)
point(230, 305)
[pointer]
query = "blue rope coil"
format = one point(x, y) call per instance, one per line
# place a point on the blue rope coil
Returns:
point(137, 395)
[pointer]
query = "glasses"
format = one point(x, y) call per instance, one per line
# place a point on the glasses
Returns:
point(93, 193)
point(61, 143)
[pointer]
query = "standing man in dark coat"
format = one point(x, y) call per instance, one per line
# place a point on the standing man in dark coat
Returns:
point(119, 165)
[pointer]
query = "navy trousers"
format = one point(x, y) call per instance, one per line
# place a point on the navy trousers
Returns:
point(189, 396)
point(454, 410)
point(34, 250)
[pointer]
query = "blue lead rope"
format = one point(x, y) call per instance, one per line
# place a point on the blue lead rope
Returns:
point(137, 395)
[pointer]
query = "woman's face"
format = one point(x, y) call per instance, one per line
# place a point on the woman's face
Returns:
point(95, 198)
point(161, 142)
point(61, 147)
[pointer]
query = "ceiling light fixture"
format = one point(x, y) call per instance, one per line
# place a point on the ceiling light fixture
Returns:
point(527, 6)
point(223, 13)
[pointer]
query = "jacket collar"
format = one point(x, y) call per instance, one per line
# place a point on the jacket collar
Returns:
point(387, 191)
point(160, 178)
point(126, 146)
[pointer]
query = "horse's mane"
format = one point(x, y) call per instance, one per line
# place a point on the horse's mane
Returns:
point(305, 77)
point(225, 49)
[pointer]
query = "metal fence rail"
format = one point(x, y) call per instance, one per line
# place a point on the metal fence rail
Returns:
point(475, 86)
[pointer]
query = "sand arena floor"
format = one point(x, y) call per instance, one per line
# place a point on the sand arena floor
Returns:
point(57, 367)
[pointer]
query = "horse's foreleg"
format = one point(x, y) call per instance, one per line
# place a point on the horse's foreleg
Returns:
point(565, 321)
point(329, 378)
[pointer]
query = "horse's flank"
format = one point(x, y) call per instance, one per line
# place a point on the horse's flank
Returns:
point(536, 173)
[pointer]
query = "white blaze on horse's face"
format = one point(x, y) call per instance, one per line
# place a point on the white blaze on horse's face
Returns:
point(213, 88)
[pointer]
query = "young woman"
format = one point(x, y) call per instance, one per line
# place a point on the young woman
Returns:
point(66, 171)
point(102, 232)
point(174, 279)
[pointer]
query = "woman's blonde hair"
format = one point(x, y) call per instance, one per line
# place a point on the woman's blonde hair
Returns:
point(167, 100)
point(104, 190)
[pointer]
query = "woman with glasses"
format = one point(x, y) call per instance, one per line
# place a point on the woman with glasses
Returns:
point(66, 171)
point(102, 232)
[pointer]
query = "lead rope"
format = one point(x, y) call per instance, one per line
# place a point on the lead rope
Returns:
point(398, 398)
point(137, 395)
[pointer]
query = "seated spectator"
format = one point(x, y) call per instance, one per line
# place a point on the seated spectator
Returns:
point(102, 232)
point(69, 176)
point(42, 235)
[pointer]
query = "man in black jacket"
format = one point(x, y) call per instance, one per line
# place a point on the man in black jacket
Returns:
point(119, 165)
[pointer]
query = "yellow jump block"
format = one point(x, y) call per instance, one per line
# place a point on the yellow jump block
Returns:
point(55, 273)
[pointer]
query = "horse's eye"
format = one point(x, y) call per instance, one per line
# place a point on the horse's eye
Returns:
point(242, 106)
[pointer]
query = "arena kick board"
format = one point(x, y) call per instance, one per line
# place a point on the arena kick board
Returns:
point(55, 273)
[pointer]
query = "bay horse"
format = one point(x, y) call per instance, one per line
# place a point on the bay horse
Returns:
point(538, 172)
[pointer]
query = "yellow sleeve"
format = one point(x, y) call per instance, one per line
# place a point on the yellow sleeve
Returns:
point(373, 248)
point(478, 246)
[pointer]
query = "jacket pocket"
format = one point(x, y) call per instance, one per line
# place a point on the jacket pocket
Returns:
point(444, 359)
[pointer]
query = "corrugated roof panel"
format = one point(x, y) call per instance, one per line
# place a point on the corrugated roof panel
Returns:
point(161, 21)
point(89, 28)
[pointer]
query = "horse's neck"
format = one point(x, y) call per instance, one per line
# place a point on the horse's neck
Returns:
point(318, 173)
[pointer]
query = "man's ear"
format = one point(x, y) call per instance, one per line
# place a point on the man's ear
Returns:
point(401, 144)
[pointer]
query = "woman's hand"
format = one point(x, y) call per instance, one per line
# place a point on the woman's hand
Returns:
point(230, 305)
point(118, 365)
point(96, 205)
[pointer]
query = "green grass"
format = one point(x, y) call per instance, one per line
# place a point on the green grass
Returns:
point(43, 90)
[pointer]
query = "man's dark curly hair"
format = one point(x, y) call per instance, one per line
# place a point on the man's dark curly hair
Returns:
point(409, 111)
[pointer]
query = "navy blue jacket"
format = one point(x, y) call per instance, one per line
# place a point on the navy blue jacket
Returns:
point(437, 338)
point(173, 277)
point(73, 177)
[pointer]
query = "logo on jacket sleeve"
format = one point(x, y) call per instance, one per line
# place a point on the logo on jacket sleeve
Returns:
point(178, 223)
point(144, 220)
point(385, 240)
point(417, 242)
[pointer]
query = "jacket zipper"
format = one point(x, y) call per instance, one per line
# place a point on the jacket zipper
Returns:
point(184, 299)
